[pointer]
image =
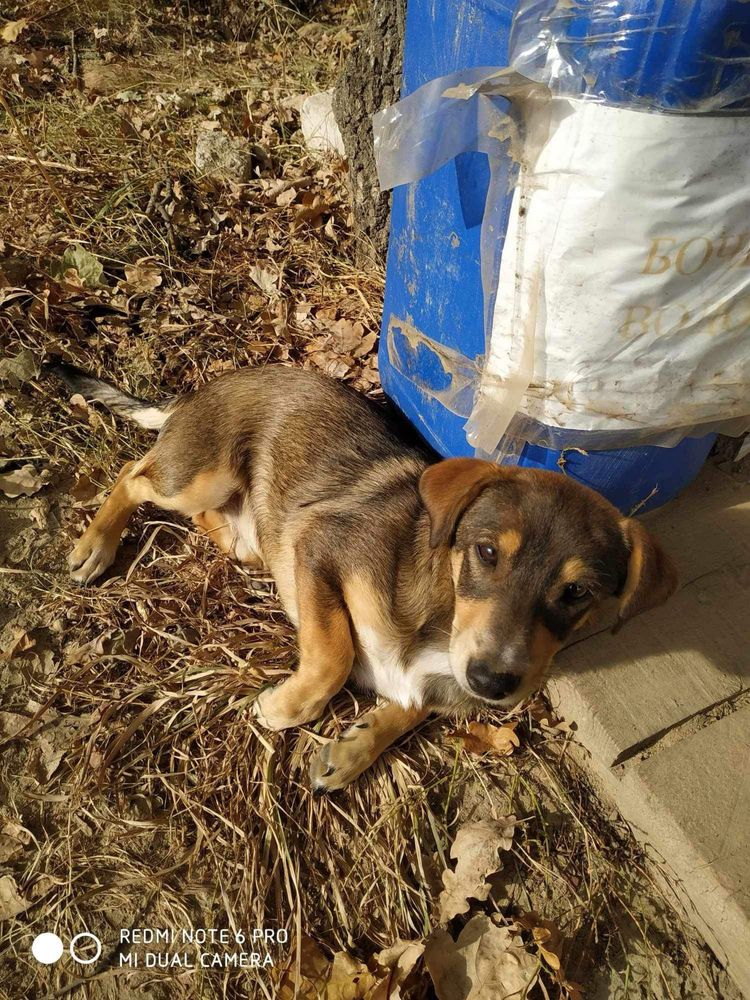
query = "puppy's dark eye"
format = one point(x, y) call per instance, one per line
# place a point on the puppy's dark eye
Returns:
point(574, 592)
point(487, 553)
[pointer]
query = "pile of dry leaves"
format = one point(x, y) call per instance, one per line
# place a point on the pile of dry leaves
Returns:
point(488, 958)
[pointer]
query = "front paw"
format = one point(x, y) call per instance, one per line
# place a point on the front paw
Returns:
point(90, 557)
point(336, 764)
point(277, 708)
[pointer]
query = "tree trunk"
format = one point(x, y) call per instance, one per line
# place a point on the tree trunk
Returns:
point(370, 80)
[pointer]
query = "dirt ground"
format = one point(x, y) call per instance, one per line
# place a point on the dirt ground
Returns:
point(164, 223)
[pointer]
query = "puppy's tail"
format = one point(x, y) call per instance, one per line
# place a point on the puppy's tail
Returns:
point(149, 415)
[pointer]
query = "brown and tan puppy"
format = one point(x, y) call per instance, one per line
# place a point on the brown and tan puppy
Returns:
point(440, 586)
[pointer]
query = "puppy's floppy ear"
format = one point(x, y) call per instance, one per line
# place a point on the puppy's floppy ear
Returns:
point(448, 488)
point(651, 577)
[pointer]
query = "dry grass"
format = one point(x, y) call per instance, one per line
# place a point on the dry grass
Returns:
point(146, 794)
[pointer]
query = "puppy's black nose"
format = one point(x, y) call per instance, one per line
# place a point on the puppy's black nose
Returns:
point(489, 683)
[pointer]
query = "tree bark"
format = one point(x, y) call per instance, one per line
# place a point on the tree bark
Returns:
point(370, 80)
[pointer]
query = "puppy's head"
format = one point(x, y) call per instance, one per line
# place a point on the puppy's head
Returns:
point(532, 555)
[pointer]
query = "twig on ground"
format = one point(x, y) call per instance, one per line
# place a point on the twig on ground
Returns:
point(50, 164)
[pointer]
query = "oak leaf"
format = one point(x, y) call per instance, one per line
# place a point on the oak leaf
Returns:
point(11, 901)
point(475, 849)
point(482, 737)
point(23, 481)
point(12, 30)
point(486, 962)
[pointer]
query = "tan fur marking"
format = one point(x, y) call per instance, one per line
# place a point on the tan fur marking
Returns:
point(573, 571)
point(509, 542)
point(635, 571)
point(471, 625)
point(365, 605)
point(652, 577)
point(97, 546)
point(543, 645)
point(457, 559)
point(208, 490)
point(542, 649)
point(473, 616)
point(214, 524)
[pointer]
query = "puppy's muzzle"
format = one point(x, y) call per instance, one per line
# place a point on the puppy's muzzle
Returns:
point(491, 684)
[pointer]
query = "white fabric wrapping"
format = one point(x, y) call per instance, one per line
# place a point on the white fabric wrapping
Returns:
point(628, 271)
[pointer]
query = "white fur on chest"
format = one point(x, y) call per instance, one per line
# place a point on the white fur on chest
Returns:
point(381, 667)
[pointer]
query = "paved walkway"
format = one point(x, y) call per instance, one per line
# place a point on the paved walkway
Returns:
point(664, 710)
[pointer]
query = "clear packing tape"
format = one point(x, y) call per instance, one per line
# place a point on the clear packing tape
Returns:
point(615, 243)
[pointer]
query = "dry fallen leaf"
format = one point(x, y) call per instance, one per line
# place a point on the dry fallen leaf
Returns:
point(549, 942)
point(21, 642)
point(11, 901)
point(311, 211)
point(548, 939)
point(12, 30)
point(487, 962)
point(24, 481)
point(326, 315)
point(286, 197)
point(85, 489)
point(20, 368)
point(13, 839)
point(266, 280)
point(45, 760)
point(79, 406)
point(346, 336)
point(366, 345)
point(482, 737)
point(350, 979)
point(546, 718)
point(143, 276)
point(476, 850)
point(80, 409)
point(331, 364)
point(313, 971)
point(11, 723)
point(330, 231)
point(573, 991)
point(344, 978)
point(400, 959)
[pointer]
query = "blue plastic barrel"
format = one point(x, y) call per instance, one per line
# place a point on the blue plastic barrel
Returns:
point(433, 274)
